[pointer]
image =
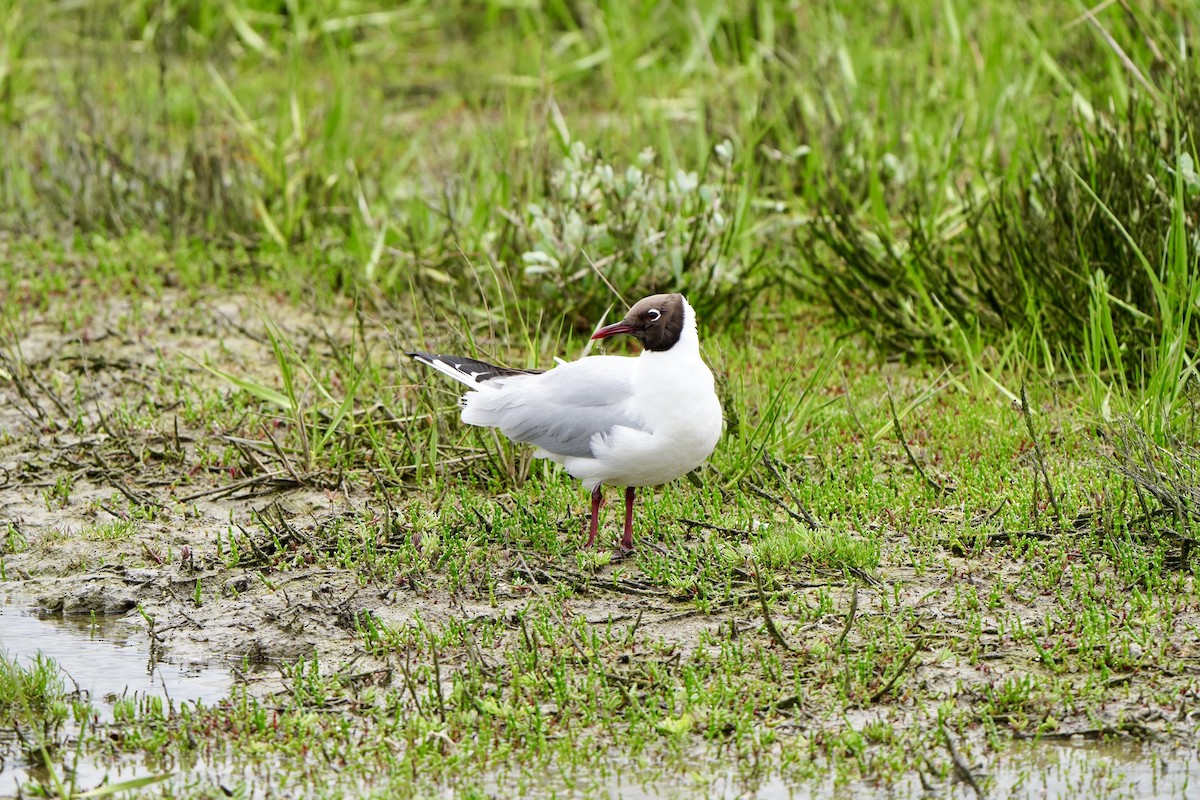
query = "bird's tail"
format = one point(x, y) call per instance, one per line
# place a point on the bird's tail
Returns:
point(467, 371)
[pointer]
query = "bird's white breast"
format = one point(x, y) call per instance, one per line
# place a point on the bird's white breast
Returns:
point(674, 396)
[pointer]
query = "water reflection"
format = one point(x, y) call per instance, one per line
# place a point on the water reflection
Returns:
point(107, 659)
point(110, 659)
point(1047, 770)
point(1114, 768)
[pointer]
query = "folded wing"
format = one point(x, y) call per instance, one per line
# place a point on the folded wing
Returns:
point(560, 411)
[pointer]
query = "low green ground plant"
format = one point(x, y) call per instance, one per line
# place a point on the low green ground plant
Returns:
point(944, 258)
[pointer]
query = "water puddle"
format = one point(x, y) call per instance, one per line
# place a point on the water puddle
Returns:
point(1122, 769)
point(107, 659)
point(1116, 768)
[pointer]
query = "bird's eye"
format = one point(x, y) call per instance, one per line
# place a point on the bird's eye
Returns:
point(654, 314)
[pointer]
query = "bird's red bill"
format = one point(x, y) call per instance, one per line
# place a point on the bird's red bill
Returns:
point(612, 330)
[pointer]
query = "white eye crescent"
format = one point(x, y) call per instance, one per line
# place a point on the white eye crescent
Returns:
point(654, 314)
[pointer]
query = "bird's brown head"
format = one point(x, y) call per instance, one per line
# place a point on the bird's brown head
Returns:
point(656, 321)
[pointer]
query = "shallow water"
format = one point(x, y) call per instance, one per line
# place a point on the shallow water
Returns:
point(107, 659)
point(1115, 768)
point(1047, 770)
point(1055, 770)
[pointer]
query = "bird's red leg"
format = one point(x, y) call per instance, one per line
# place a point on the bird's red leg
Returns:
point(627, 539)
point(594, 523)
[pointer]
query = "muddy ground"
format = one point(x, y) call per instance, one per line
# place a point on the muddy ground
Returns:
point(115, 504)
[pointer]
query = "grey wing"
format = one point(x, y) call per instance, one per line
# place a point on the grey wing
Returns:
point(561, 410)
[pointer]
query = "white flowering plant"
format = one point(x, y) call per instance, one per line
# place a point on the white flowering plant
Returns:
point(637, 228)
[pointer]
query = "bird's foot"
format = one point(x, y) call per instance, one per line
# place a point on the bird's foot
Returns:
point(625, 550)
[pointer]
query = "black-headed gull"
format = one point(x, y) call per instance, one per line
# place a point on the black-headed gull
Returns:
point(626, 421)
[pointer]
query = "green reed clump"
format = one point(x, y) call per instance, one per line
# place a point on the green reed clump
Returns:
point(33, 700)
point(1024, 258)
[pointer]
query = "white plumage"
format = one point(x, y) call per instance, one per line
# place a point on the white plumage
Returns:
point(624, 421)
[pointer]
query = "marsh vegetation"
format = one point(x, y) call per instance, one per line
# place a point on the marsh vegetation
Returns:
point(945, 262)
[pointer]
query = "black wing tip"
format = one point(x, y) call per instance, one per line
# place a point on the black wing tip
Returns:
point(479, 370)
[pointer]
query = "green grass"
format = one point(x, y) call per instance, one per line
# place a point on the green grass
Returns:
point(223, 225)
